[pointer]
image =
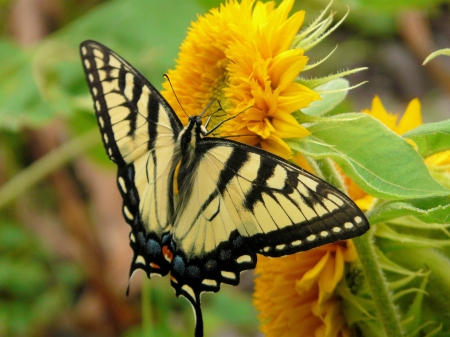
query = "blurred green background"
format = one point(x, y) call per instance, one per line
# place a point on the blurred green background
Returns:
point(64, 254)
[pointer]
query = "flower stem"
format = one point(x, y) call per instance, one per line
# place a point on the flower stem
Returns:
point(46, 165)
point(378, 286)
point(330, 174)
point(146, 309)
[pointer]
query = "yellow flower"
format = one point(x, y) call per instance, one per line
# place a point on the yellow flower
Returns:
point(239, 54)
point(295, 293)
point(411, 119)
point(441, 159)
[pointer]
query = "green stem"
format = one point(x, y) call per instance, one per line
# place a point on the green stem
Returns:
point(46, 165)
point(146, 308)
point(372, 270)
point(330, 174)
point(378, 286)
point(438, 288)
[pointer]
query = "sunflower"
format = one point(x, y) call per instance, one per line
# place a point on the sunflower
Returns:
point(240, 56)
point(295, 294)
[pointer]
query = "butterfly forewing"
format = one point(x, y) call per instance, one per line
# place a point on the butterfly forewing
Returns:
point(139, 132)
point(245, 201)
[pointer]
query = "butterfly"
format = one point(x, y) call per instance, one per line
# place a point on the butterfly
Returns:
point(232, 201)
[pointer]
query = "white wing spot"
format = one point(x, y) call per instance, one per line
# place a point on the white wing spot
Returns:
point(101, 122)
point(324, 234)
point(140, 259)
point(110, 153)
point(244, 259)
point(83, 50)
point(209, 283)
point(91, 78)
point(189, 291)
point(132, 238)
point(266, 249)
point(358, 219)
point(105, 137)
point(227, 274)
point(336, 229)
point(122, 184)
point(335, 199)
point(296, 243)
point(312, 237)
point(280, 247)
point(128, 213)
point(87, 64)
point(348, 225)
point(97, 105)
point(311, 184)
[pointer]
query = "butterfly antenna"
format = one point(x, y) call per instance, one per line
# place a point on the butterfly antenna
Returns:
point(226, 120)
point(237, 136)
point(207, 107)
point(168, 79)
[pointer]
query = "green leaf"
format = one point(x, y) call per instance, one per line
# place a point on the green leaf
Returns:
point(148, 34)
point(437, 53)
point(413, 326)
point(405, 240)
point(48, 80)
point(431, 138)
point(332, 94)
point(388, 6)
point(379, 161)
point(430, 210)
point(20, 101)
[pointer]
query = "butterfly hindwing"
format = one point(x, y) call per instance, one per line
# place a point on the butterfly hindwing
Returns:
point(139, 130)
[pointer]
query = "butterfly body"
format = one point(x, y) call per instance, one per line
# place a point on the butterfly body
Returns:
point(230, 202)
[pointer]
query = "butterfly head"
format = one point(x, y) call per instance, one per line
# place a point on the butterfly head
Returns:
point(194, 130)
point(190, 135)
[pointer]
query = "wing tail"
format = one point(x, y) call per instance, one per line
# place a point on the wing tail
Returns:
point(198, 317)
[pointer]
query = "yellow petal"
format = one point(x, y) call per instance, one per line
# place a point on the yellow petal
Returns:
point(296, 96)
point(411, 119)
point(378, 111)
point(276, 146)
point(365, 203)
point(285, 68)
point(311, 276)
point(286, 126)
point(439, 159)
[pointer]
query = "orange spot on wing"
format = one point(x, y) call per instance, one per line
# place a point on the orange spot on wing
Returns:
point(168, 255)
point(154, 265)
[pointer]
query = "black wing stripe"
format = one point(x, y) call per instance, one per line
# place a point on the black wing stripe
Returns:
point(136, 123)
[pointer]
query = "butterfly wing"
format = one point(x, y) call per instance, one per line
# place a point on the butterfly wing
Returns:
point(139, 131)
point(242, 201)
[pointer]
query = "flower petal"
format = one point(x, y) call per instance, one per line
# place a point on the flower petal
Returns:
point(411, 119)
point(286, 126)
